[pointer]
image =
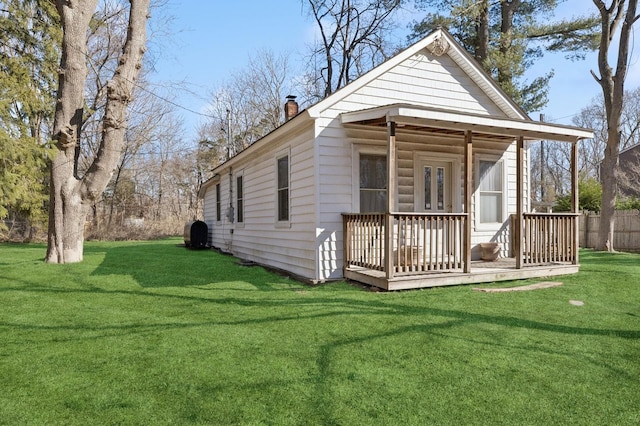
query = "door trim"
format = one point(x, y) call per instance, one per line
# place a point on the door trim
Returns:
point(420, 160)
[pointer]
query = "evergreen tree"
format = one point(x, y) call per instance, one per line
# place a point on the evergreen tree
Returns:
point(29, 57)
point(508, 36)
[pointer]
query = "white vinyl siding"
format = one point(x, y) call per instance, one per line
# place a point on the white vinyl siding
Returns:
point(261, 238)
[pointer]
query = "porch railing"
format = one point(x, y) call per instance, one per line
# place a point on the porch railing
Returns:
point(549, 238)
point(421, 242)
point(364, 240)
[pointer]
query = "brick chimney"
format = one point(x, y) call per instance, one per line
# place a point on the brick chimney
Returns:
point(290, 108)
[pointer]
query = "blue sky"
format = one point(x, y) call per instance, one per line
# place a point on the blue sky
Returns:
point(211, 40)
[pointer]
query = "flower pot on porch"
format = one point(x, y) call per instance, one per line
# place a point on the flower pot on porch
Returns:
point(490, 251)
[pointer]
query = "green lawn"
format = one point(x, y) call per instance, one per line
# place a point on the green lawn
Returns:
point(149, 333)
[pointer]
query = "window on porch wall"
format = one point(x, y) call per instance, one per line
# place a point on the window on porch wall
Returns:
point(491, 191)
point(373, 183)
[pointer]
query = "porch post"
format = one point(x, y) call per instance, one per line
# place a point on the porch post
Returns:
point(468, 189)
point(575, 200)
point(391, 197)
point(519, 200)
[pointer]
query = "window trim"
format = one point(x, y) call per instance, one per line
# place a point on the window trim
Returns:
point(240, 200)
point(420, 160)
point(357, 150)
point(282, 223)
point(490, 226)
point(218, 203)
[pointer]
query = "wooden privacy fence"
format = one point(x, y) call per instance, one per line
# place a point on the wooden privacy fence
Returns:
point(627, 230)
point(421, 241)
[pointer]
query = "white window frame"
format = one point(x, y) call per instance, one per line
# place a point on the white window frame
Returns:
point(244, 197)
point(490, 226)
point(357, 150)
point(218, 202)
point(282, 223)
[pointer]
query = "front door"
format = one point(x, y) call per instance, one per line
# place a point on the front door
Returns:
point(436, 188)
point(434, 194)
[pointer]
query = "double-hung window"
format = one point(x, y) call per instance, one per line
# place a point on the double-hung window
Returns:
point(491, 192)
point(373, 183)
point(239, 200)
point(283, 188)
point(218, 204)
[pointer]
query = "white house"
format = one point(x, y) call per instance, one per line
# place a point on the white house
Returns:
point(395, 180)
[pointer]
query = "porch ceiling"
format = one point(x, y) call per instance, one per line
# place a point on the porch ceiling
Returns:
point(451, 122)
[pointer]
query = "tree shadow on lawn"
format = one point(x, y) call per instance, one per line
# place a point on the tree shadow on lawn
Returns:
point(308, 308)
point(163, 264)
point(159, 265)
point(591, 259)
point(375, 310)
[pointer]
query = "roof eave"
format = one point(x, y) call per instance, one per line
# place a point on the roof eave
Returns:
point(287, 127)
point(455, 120)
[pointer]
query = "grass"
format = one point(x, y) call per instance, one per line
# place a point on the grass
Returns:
point(149, 333)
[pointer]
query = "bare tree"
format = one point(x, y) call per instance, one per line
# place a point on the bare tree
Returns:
point(353, 37)
point(148, 118)
point(594, 116)
point(71, 196)
point(619, 15)
point(591, 150)
point(250, 104)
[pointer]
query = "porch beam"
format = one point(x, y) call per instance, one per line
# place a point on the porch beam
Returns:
point(488, 129)
point(391, 197)
point(519, 201)
point(468, 190)
point(575, 200)
point(456, 120)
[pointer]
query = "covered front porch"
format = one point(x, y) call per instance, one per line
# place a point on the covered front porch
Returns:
point(401, 250)
point(429, 250)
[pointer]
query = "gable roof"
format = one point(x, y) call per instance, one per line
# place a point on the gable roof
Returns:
point(439, 42)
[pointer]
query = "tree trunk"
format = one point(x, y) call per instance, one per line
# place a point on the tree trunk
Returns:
point(613, 91)
point(482, 48)
point(71, 196)
point(66, 213)
point(508, 8)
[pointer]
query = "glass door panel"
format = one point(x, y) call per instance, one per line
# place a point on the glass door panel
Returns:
point(437, 188)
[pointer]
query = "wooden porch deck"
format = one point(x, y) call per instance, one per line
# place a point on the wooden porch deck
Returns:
point(503, 269)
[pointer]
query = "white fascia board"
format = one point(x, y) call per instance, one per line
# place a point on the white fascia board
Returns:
point(444, 119)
